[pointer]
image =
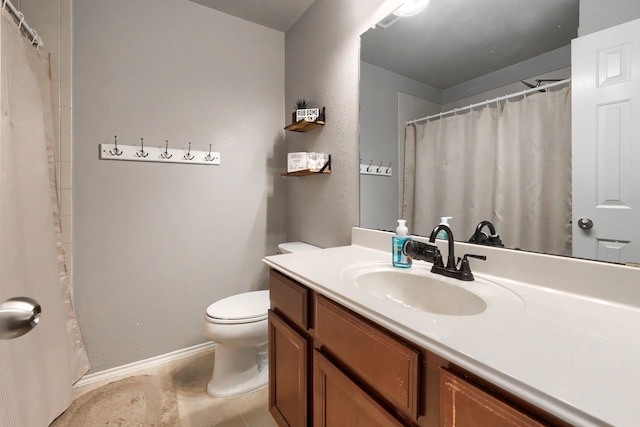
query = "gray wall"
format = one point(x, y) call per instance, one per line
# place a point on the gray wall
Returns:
point(322, 61)
point(154, 244)
point(379, 109)
point(596, 15)
point(529, 69)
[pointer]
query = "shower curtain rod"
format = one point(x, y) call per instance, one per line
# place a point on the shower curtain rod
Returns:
point(489, 101)
point(33, 34)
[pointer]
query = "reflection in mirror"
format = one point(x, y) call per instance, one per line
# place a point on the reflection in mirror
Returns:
point(462, 52)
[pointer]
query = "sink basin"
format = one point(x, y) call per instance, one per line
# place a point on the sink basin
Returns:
point(418, 290)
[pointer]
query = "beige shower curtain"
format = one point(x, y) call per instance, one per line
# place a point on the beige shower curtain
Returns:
point(37, 369)
point(509, 164)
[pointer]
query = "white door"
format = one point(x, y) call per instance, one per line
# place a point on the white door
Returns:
point(606, 144)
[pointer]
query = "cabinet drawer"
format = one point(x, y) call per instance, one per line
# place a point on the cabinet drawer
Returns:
point(463, 404)
point(289, 298)
point(388, 367)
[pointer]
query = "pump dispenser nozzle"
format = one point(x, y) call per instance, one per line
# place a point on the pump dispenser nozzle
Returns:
point(402, 229)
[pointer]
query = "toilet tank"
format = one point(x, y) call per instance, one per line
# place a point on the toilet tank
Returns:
point(289, 247)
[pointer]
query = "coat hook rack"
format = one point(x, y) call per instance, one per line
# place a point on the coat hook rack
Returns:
point(379, 170)
point(140, 153)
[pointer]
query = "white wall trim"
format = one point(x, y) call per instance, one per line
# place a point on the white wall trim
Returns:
point(130, 368)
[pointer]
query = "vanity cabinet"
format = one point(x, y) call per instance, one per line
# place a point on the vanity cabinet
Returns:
point(288, 352)
point(331, 367)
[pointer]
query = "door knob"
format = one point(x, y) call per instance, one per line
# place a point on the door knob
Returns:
point(18, 316)
point(585, 223)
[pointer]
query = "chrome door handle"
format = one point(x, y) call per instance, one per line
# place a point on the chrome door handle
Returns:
point(585, 223)
point(18, 316)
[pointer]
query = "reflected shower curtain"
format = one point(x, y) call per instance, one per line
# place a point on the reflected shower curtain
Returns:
point(509, 164)
point(36, 370)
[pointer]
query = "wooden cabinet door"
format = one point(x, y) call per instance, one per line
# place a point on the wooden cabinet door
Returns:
point(288, 370)
point(387, 367)
point(339, 402)
point(462, 404)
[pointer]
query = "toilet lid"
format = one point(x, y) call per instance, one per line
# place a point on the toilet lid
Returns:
point(241, 308)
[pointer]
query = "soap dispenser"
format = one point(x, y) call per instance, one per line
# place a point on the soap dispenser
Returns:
point(444, 220)
point(399, 259)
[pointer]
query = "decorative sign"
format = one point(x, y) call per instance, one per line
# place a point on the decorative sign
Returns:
point(297, 161)
point(308, 114)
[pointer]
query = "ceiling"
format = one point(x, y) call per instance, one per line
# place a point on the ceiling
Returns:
point(451, 42)
point(276, 14)
point(454, 41)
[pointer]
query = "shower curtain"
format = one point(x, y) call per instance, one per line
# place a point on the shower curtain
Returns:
point(508, 163)
point(37, 369)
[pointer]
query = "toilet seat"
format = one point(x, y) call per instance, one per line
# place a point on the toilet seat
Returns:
point(247, 307)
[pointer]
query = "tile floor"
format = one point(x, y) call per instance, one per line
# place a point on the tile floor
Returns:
point(196, 408)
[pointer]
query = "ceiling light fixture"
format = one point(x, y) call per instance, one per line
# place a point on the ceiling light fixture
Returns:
point(411, 7)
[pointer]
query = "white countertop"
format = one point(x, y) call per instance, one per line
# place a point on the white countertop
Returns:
point(574, 356)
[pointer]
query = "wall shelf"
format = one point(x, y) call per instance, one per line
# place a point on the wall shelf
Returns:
point(304, 126)
point(305, 173)
point(325, 170)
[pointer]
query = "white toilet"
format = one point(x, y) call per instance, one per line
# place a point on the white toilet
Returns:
point(238, 326)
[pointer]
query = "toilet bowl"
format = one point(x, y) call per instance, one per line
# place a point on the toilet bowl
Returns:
point(238, 326)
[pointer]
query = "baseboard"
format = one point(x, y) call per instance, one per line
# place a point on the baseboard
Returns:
point(128, 369)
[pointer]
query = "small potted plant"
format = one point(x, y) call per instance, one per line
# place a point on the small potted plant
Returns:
point(301, 104)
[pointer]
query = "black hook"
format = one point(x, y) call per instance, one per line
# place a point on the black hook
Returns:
point(188, 156)
point(141, 152)
point(166, 154)
point(209, 157)
point(115, 151)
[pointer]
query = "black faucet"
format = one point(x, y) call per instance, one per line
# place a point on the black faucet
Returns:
point(481, 238)
point(429, 252)
point(450, 269)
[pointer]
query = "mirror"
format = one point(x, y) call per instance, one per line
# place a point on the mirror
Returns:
point(456, 53)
